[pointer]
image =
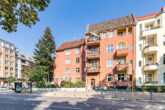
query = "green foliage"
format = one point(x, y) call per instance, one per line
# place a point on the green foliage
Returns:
point(44, 53)
point(38, 76)
point(27, 72)
point(48, 86)
point(10, 79)
point(13, 12)
point(67, 84)
point(153, 88)
point(80, 84)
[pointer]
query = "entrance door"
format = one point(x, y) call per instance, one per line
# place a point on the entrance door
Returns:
point(92, 83)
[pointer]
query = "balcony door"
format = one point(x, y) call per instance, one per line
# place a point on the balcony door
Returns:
point(150, 60)
point(93, 63)
point(94, 50)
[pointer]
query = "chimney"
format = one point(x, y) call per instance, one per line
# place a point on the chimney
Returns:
point(163, 9)
point(75, 39)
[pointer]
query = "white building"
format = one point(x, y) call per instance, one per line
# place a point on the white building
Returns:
point(22, 62)
point(150, 49)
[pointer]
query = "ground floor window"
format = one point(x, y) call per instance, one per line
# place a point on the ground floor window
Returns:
point(121, 77)
point(149, 78)
point(110, 78)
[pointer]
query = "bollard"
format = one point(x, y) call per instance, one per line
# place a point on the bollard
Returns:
point(151, 95)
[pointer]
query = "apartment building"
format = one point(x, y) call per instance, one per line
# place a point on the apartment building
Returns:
point(110, 52)
point(150, 46)
point(23, 61)
point(7, 61)
point(70, 61)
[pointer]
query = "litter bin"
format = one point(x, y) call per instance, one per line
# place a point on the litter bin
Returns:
point(18, 87)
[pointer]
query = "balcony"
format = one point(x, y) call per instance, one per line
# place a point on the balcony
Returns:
point(150, 49)
point(151, 67)
point(93, 69)
point(122, 67)
point(93, 41)
point(150, 31)
point(121, 52)
point(93, 55)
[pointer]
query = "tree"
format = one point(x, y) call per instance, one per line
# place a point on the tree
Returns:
point(10, 79)
point(44, 53)
point(13, 12)
point(27, 72)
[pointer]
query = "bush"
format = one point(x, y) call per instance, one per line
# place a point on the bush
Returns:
point(153, 88)
point(80, 84)
point(52, 86)
point(67, 84)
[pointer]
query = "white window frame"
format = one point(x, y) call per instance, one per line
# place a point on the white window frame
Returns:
point(77, 50)
point(104, 35)
point(110, 76)
point(110, 48)
point(77, 70)
point(109, 62)
point(67, 61)
point(111, 34)
point(67, 51)
point(130, 47)
point(67, 70)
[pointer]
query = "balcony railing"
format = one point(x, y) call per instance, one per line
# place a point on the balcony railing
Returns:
point(152, 28)
point(150, 48)
point(122, 67)
point(93, 69)
point(122, 52)
point(151, 66)
point(93, 39)
point(93, 55)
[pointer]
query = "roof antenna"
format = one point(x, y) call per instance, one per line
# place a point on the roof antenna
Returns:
point(75, 39)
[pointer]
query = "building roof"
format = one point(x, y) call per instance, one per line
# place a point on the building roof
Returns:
point(126, 20)
point(69, 45)
point(147, 16)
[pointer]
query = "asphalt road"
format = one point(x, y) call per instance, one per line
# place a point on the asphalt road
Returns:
point(19, 102)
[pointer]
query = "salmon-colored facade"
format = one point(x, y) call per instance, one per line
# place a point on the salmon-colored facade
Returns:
point(70, 62)
point(113, 52)
point(110, 55)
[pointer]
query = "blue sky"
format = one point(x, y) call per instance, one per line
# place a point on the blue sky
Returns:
point(69, 18)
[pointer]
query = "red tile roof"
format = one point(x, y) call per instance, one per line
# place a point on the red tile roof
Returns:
point(147, 16)
point(126, 20)
point(73, 44)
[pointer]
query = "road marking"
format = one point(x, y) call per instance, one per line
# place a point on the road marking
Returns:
point(67, 107)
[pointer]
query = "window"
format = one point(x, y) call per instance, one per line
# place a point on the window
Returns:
point(84, 69)
point(11, 68)
point(77, 70)
point(130, 78)
point(67, 70)
point(140, 63)
point(67, 61)
point(140, 28)
point(120, 33)
point(164, 77)
point(130, 47)
point(11, 52)
point(158, 22)
point(6, 56)
point(110, 63)
point(6, 50)
point(122, 77)
point(130, 62)
point(16, 75)
point(121, 46)
point(164, 40)
point(140, 47)
point(104, 35)
point(77, 50)
point(149, 78)
point(77, 60)
point(110, 78)
point(140, 80)
point(6, 68)
point(121, 61)
point(11, 57)
point(68, 52)
point(11, 74)
point(111, 34)
point(164, 59)
point(6, 62)
point(110, 48)
point(6, 74)
point(23, 61)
